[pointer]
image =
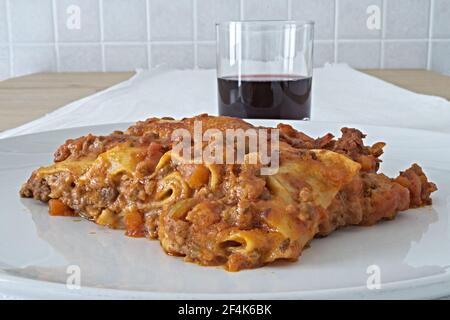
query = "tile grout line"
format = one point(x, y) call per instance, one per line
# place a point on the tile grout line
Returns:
point(324, 41)
point(383, 33)
point(195, 31)
point(336, 14)
point(123, 43)
point(10, 46)
point(102, 34)
point(430, 35)
point(175, 42)
point(440, 40)
point(385, 40)
point(55, 35)
point(149, 47)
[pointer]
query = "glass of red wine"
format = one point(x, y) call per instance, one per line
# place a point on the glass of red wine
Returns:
point(264, 69)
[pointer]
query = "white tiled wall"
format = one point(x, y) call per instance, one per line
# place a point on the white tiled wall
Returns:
point(119, 35)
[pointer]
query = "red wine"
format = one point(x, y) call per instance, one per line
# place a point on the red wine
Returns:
point(265, 96)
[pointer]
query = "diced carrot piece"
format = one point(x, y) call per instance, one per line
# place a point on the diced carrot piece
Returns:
point(199, 177)
point(134, 222)
point(58, 208)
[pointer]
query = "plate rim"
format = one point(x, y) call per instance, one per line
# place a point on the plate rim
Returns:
point(428, 287)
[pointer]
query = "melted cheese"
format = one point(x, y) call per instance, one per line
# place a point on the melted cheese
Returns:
point(325, 176)
point(120, 159)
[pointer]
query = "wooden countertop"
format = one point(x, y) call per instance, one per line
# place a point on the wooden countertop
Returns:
point(26, 98)
point(420, 81)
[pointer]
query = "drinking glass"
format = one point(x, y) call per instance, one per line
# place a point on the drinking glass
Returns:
point(264, 69)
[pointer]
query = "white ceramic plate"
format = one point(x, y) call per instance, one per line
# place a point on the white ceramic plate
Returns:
point(412, 252)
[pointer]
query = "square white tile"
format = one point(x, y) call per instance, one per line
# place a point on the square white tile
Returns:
point(265, 9)
point(323, 53)
point(361, 54)
point(33, 58)
point(441, 19)
point(440, 53)
point(3, 22)
point(360, 19)
point(173, 55)
point(407, 19)
point(409, 55)
point(4, 62)
point(32, 20)
point(78, 20)
point(171, 20)
point(206, 56)
point(125, 57)
point(125, 20)
point(320, 11)
point(211, 11)
point(77, 58)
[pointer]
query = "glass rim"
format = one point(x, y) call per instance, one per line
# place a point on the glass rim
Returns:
point(299, 23)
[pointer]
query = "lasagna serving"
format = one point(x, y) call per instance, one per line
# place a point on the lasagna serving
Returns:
point(220, 213)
